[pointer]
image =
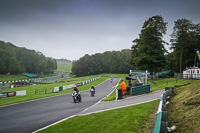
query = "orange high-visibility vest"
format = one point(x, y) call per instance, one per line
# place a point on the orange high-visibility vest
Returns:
point(123, 85)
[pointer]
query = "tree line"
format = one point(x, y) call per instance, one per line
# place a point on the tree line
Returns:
point(107, 62)
point(17, 60)
point(148, 51)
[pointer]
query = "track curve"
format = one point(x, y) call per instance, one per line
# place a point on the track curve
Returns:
point(30, 116)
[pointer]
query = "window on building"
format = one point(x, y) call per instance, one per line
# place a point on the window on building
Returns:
point(193, 71)
point(198, 71)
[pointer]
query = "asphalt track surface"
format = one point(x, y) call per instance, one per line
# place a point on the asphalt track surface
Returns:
point(30, 116)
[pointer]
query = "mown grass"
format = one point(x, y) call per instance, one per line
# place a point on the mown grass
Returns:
point(12, 77)
point(168, 82)
point(184, 108)
point(131, 119)
point(64, 66)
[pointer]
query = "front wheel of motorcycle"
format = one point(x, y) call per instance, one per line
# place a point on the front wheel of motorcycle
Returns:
point(79, 98)
point(74, 99)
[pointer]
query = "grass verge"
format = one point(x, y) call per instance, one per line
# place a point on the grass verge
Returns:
point(11, 77)
point(168, 82)
point(184, 108)
point(131, 119)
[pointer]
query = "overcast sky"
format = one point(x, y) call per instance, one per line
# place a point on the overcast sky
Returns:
point(72, 28)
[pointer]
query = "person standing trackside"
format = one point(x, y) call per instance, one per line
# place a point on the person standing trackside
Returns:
point(123, 86)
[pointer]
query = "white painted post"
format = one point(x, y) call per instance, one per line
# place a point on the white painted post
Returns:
point(146, 77)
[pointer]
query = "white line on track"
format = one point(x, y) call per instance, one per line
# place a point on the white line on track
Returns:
point(54, 123)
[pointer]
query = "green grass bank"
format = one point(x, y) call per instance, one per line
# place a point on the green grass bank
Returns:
point(184, 108)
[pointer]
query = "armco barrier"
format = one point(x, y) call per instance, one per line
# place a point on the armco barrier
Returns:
point(161, 120)
point(140, 89)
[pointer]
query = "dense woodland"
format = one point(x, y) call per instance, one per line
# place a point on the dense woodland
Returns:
point(17, 60)
point(108, 62)
point(148, 51)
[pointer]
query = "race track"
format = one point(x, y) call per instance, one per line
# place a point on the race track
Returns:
point(31, 116)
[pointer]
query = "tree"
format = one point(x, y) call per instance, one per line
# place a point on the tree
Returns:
point(18, 60)
point(108, 62)
point(185, 38)
point(148, 50)
point(81, 67)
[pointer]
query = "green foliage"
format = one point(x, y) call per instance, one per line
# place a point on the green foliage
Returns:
point(17, 60)
point(185, 38)
point(125, 120)
point(64, 66)
point(108, 62)
point(148, 51)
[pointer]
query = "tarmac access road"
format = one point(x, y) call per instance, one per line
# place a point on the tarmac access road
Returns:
point(33, 115)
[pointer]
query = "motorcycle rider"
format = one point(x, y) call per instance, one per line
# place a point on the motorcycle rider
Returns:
point(92, 87)
point(77, 91)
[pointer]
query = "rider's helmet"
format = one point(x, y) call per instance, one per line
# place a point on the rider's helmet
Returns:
point(75, 89)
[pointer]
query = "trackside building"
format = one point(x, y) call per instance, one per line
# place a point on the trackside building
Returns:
point(191, 73)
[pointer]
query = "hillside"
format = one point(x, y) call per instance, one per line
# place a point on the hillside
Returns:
point(184, 109)
point(64, 66)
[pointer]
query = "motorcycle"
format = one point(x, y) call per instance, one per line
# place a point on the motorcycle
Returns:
point(76, 96)
point(92, 92)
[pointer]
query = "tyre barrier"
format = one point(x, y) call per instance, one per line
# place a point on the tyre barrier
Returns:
point(119, 94)
point(161, 120)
